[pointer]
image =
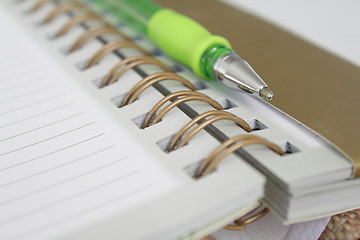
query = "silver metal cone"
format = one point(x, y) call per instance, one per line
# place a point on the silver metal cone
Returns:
point(236, 73)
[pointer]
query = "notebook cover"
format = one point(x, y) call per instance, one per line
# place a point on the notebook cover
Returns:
point(310, 84)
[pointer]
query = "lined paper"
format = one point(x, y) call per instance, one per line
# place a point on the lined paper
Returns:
point(57, 163)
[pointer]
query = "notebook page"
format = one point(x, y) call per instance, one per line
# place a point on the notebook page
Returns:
point(179, 195)
point(58, 165)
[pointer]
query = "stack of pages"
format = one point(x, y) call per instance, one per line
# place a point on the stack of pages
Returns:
point(76, 164)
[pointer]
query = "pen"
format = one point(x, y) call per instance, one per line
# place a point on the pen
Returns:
point(210, 56)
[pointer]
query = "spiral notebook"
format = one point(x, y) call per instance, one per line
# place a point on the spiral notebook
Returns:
point(103, 136)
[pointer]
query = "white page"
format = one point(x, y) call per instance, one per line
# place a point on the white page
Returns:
point(89, 171)
point(54, 155)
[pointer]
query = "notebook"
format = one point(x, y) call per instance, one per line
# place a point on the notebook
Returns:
point(77, 164)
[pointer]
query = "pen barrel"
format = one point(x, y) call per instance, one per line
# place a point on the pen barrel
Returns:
point(135, 12)
point(182, 38)
point(145, 8)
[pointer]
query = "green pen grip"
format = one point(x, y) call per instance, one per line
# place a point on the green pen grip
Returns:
point(182, 38)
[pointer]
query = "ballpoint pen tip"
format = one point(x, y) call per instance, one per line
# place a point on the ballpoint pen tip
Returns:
point(235, 72)
point(266, 94)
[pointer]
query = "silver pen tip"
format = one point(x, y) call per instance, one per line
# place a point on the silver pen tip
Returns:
point(266, 94)
point(236, 73)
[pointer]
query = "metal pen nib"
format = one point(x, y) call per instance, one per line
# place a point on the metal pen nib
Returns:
point(236, 73)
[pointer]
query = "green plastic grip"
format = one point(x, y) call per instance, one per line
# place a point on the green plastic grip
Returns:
point(182, 38)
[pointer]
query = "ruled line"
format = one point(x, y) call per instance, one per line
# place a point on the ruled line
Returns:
point(27, 82)
point(50, 153)
point(65, 181)
point(27, 94)
point(47, 139)
point(33, 104)
point(47, 125)
point(55, 167)
point(13, 54)
point(68, 198)
point(11, 77)
point(37, 115)
point(15, 63)
point(84, 212)
point(68, 180)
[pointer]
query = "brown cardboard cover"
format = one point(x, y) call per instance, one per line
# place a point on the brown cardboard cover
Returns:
point(310, 84)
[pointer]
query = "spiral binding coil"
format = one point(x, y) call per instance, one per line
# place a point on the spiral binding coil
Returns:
point(158, 105)
point(146, 82)
point(217, 115)
point(94, 33)
point(184, 99)
point(176, 98)
point(231, 145)
point(129, 63)
point(241, 222)
point(227, 147)
point(78, 20)
point(111, 47)
point(61, 9)
point(39, 4)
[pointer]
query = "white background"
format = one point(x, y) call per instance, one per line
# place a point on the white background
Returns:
point(331, 24)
